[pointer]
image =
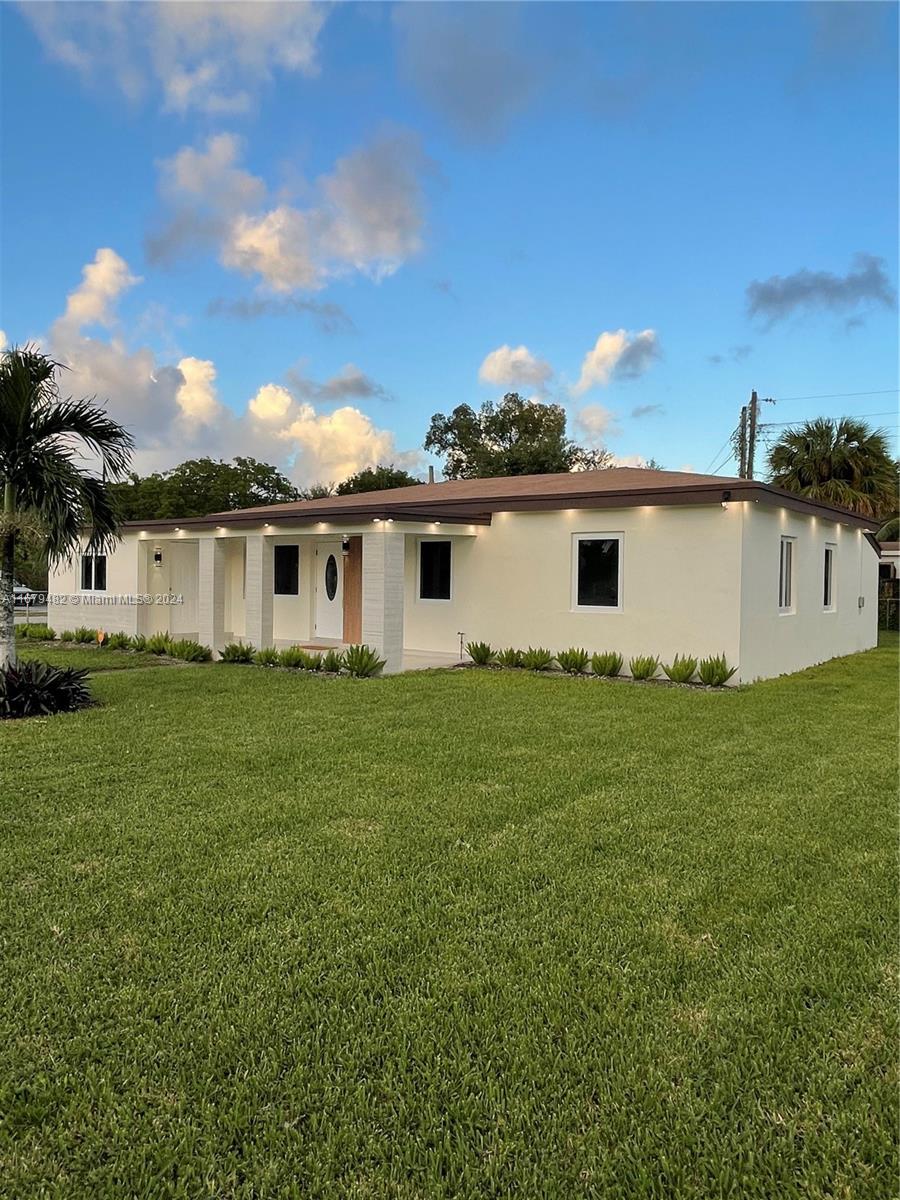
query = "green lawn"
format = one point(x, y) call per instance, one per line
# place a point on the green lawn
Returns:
point(93, 658)
point(462, 934)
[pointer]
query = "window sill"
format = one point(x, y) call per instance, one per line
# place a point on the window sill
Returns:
point(595, 608)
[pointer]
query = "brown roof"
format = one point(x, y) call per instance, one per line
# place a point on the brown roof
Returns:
point(473, 500)
point(890, 546)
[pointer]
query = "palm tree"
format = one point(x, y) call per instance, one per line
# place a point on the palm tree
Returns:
point(42, 439)
point(842, 462)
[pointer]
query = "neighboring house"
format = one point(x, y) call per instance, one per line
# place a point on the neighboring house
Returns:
point(627, 559)
point(888, 560)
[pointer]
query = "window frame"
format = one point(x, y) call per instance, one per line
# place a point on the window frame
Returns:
point(829, 597)
point(295, 546)
point(420, 599)
point(786, 610)
point(604, 536)
point(93, 586)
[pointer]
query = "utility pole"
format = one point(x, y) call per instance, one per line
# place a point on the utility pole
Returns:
point(751, 433)
point(742, 444)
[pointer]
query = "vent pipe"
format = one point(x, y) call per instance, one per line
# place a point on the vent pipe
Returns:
point(431, 474)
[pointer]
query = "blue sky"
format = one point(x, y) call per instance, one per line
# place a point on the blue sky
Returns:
point(306, 229)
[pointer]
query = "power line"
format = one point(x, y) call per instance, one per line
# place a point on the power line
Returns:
point(724, 446)
point(835, 396)
point(857, 416)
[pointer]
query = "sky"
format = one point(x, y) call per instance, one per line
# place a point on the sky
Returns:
point(297, 231)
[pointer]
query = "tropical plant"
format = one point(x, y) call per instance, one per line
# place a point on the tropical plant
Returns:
point(363, 662)
point(890, 531)
point(715, 671)
point(609, 664)
point(643, 666)
point(510, 657)
point(84, 636)
point(189, 651)
point(292, 656)
point(682, 669)
point(573, 661)
point(118, 641)
point(268, 656)
point(43, 443)
point(843, 462)
point(35, 689)
point(67, 635)
point(537, 658)
point(35, 633)
point(311, 660)
point(481, 653)
point(159, 643)
point(237, 652)
point(333, 661)
point(138, 641)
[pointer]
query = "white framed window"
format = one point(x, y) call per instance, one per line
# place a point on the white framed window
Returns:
point(434, 570)
point(93, 572)
point(828, 593)
point(786, 575)
point(597, 572)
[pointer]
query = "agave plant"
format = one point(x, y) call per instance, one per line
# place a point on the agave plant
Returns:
point(481, 653)
point(333, 661)
point(35, 689)
point(236, 652)
point(573, 661)
point(268, 656)
point(85, 636)
point(510, 657)
point(118, 641)
point(643, 666)
point(39, 633)
point(682, 669)
point(363, 662)
point(537, 658)
point(189, 651)
point(292, 656)
point(715, 671)
point(608, 664)
point(159, 643)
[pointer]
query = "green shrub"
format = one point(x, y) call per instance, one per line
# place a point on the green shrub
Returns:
point(609, 664)
point(715, 671)
point(237, 652)
point(509, 657)
point(159, 643)
point(34, 689)
point(67, 635)
point(84, 635)
point(481, 653)
point(39, 633)
point(292, 656)
point(333, 661)
point(643, 666)
point(573, 661)
point(312, 660)
point(118, 641)
point(138, 641)
point(682, 669)
point(189, 651)
point(362, 661)
point(267, 657)
point(537, 658)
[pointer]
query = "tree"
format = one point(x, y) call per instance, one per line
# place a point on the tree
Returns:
point(201, 486)
point(842, 462)
point(43, 437)
point(376, 479)
point(514, 437)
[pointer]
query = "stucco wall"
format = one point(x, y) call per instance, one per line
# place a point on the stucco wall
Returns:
point(512, 584)
point(775, 643)
point(73, 607)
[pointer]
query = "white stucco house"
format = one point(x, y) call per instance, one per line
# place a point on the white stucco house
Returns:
point(639, 561)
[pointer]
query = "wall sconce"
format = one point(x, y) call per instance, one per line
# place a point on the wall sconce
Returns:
point(345, 546)
point(157, 556)
point(726, 496)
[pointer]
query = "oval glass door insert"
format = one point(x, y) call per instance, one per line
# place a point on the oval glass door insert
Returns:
point(331, 577)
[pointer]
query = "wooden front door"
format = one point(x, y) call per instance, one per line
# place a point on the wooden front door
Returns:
point(353, 592)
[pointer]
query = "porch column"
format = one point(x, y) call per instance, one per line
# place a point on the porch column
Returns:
point(211, 592)
point(382, 595)
point(259, 589)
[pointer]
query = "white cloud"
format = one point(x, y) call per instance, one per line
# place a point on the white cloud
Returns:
point(3, 341)
point(196, 397)
point(515, 367)
point(366, 215)
point(618, 354)
point(175, 412)
point(102, 282)
point(205, 57)
point(595, 423)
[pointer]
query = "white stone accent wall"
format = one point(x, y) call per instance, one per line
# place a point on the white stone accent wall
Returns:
point(211, 593)
point(382, 595)
point(258, 620)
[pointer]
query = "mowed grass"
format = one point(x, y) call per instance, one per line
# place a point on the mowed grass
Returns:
point(463, 934)
point(92, 658)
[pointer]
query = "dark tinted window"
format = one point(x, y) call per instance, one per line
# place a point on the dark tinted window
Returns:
point(331, 577)
point(87, 572)
point(434, 570)
point(99, 572)
point(598, 572)
point(287, 570)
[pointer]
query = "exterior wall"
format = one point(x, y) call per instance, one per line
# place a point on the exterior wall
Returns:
point(512, 584)
point(775, 643)
point(91, 608)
